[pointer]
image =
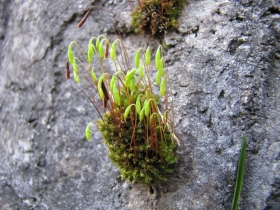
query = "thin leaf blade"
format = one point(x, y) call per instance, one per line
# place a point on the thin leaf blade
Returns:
point(240, 174)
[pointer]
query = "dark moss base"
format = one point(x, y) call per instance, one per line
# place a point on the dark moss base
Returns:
point(140, 162)
point(157, 16)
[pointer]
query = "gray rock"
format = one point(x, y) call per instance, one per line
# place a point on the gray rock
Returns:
point(224, 66)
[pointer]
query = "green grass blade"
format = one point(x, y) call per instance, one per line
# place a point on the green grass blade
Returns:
point(239, 176)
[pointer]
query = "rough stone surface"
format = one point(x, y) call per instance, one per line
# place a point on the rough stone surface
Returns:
point(224, 67)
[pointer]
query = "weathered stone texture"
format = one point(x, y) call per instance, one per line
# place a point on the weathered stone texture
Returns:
point(224, 67)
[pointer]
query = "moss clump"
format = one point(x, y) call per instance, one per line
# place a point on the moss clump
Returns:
point(156, 16)
point(140, 138)
point(140, 163)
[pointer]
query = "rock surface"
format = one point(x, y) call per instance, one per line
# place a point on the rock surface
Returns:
point(224, 66)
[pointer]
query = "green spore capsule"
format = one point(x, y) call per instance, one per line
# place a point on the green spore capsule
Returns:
point(158, 77)
point(99, 86)
point(116, 95)
point(101, 51)
point(75, 67)
point(129, 76)
point(157, 59)
point(113, 51)
point(132, 84)
point(97, 43)
point(148, 56)
point(160, 67)
point(87, 132)
point(147, 108)
point(138, 104)
point(142, 114)
point(137, 59)
point(70, 54)
point(90, 51)
point(113, 81)
point(76, 77)
point(141, 72)
point(127, 111)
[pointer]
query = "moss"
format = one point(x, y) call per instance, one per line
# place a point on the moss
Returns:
point(140, 139)
point(142, 164)
point(157, 16)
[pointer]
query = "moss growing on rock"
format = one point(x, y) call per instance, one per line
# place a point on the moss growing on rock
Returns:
point(139, 136)
point(156, 16)
point(142, 161)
